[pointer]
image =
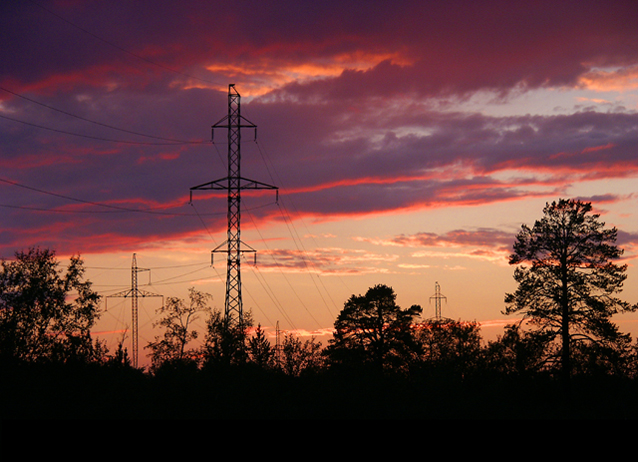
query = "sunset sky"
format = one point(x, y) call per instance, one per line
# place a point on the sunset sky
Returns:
point(409, 141)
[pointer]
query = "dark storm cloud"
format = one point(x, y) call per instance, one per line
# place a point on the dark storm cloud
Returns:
point(455, 46)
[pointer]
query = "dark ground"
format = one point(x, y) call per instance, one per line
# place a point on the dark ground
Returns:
point(88, 392)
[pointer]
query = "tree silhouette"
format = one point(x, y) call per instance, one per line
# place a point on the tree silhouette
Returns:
point(226, 341)
point(120, 358)
point(452, 346)
point(517, 352)
point(260, 350)
point(177, 320)
point(566, 278)
point(46, 314)
point(298, 357)
point(373, 329)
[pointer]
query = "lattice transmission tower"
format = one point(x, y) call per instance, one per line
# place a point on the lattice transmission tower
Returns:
point(437, 301)
point(134, 292)
point(233, 183)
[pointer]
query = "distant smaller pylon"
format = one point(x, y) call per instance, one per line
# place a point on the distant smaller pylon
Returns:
point(438, 297)
point(134, 292)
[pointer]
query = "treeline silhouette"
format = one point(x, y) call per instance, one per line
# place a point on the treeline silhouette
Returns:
point(456, 377)
point(565, 360)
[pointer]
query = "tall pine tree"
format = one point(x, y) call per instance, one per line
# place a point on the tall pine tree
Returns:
point(567, 280)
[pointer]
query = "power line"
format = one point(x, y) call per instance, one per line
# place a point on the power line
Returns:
point(164, 281)
point(298, 242)
point(115, 208)
point(99, 204)
point(148, 143)
point(150, 267)
point(283, 274)
point(271, 294)
point(172, 141)
point(73, 212)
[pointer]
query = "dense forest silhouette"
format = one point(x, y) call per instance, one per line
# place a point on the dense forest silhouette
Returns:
point(565, 359)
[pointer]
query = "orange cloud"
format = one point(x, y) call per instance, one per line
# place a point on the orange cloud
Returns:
point(623, 79)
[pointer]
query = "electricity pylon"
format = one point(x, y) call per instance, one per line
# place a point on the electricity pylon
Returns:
point(437, 301)
point(234, 183)
point(134, 292)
